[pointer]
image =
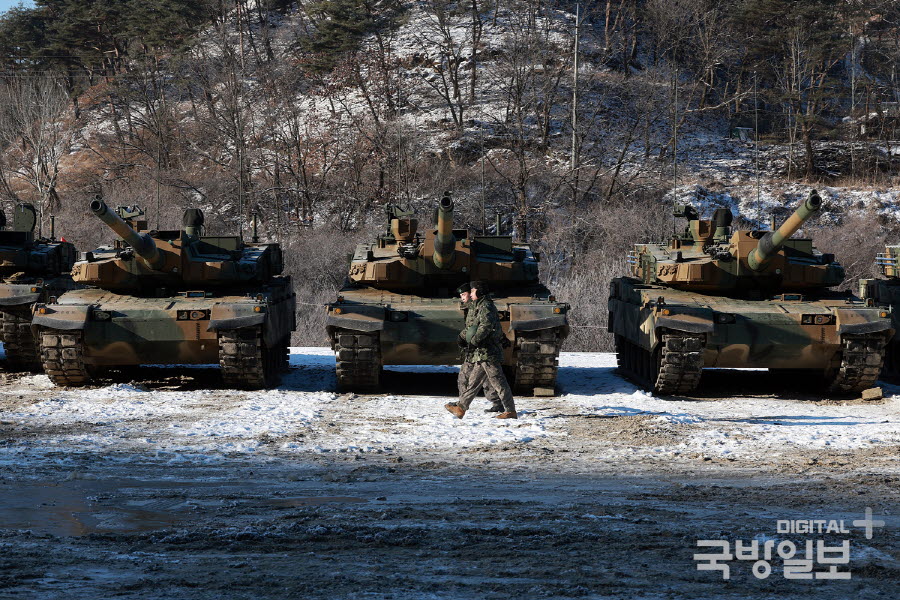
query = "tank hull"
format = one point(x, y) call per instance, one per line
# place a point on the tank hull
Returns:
point(821, 333)
point(115, 330)
point(406, 329)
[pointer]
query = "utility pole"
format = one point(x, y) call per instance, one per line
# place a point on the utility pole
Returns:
point(674, 147)
point(483, 221)
point(574, 159)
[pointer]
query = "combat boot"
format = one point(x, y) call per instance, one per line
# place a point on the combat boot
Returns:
point(496, 407)
point(455, 409)
point(510, 414)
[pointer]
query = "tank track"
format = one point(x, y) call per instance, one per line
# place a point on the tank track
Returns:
point(674, 370)
point(245, 360)
point(62, 355)
point(357, 360)
point(862, 357)
point(537, 361)
point(21, 350)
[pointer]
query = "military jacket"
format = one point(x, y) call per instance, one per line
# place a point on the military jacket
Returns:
point(483, 332)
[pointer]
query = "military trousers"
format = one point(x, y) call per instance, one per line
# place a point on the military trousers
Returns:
point(467, 371)
point(489, 375)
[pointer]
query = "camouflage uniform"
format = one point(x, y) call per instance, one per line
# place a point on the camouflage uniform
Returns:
point(469, 369)
point(483, 334)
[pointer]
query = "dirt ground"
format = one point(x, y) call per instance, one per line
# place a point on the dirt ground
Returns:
point(167, 490)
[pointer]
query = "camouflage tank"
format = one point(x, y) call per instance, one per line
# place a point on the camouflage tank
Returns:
point(32, 270)
point(885, 292)
point(399, 305)
point(747, 299)
point(170, 297)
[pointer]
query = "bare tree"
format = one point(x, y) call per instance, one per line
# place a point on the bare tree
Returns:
point(34, 136)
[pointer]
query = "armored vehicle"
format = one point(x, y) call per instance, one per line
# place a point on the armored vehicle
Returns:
point(885, 292)
point(399, 305)
point(32, 269)
point(170, 297)
point(757, 299)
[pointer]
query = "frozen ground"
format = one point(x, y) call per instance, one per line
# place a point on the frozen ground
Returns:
point(168, 489)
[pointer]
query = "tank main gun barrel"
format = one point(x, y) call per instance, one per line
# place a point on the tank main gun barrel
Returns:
point(772, 242)
point(444, 242)
point(143, 244)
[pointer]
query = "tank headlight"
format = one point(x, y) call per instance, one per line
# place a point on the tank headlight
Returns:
point(257, 309)
point(35, 290)
point(101, 315)
point(666, 312)
point(42, 311)
point(338, 311)
point(557, 310)
point(884, 315)
point(724, 318)
point(398, 316)
point(196, 315)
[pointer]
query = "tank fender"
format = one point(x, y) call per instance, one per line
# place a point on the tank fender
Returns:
point(861, 320)
point(355, 318)
point(18, 295)
point(64, 317)
point(688, 322)
point(525, 317)
point(234, 316)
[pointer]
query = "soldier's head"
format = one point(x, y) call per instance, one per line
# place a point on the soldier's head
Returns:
point(463, 292)
point(479, 289)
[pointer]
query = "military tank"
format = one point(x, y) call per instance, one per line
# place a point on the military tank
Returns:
point(885, 292)
point(170, 297)
point(757, 299)
point(399, 306)
point(32, 270)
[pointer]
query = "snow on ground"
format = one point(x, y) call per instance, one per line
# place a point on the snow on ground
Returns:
point(304, 415)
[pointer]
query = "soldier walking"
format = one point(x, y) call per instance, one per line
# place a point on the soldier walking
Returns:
point(485, 353)
point(469, 369)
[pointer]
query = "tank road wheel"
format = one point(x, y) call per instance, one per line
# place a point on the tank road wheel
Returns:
point(677, 364)
point(62, 355)
point(861, 360)
point(537, 362)
point(21, 351)
point(245, 361)
point(357, 361)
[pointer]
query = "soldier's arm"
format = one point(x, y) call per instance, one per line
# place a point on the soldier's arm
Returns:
point(486, 323)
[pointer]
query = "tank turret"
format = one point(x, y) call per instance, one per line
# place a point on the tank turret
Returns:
point(708, 257)
point(440, 259)
point(145, 261)
point(24, 255)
